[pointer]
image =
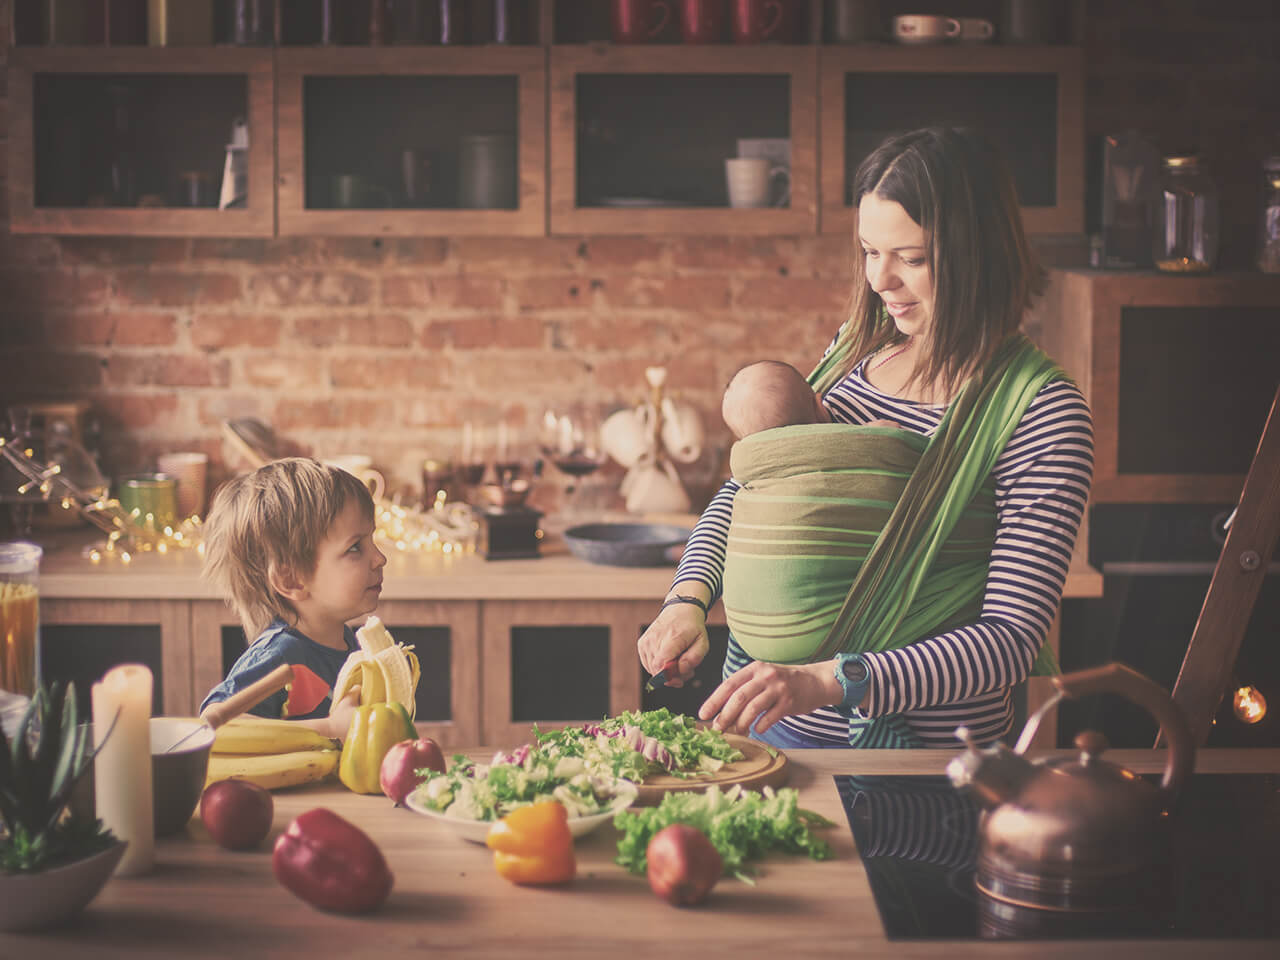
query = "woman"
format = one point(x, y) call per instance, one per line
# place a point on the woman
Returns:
point(944, 279)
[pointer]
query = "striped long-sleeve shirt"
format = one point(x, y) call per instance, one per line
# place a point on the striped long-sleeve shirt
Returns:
point(964, 676)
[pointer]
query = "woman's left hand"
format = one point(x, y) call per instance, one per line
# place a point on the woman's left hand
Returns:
point(769, 692)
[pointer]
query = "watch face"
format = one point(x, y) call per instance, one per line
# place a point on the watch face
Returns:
point(855, 671)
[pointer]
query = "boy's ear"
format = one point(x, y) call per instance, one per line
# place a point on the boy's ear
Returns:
point(285, 581)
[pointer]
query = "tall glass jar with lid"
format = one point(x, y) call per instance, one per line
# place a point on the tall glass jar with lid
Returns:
point(1186, 219)
point(1269, 217)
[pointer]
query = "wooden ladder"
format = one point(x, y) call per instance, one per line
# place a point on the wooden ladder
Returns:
point(1251, 540)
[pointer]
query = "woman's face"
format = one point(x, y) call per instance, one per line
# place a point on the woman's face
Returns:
point(896, 254)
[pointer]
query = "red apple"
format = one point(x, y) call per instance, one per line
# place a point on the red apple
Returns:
point(683, 865)
point(398, 774)
point(237, 813)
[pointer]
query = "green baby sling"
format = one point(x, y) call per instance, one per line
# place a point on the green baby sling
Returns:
point(849, 538)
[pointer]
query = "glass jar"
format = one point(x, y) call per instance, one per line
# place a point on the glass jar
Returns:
point(1269, 217)
point(19, 617)
point(1186, 217)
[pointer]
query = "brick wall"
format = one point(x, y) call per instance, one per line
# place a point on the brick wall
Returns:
point(389, 346)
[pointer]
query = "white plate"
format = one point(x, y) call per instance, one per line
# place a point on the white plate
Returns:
point(477, 830)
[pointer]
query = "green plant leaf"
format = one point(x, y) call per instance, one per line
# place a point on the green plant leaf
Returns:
point(63, 777)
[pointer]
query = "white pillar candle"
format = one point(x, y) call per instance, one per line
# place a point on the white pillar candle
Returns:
point(122, 769)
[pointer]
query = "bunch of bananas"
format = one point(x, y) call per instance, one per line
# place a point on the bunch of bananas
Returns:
point(270, 753)
point(385, 670)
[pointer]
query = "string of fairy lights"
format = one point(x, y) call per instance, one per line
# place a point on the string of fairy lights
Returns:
point(444, 528)
point(127, 531)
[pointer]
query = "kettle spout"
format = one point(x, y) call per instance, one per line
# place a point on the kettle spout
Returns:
point(994, 774)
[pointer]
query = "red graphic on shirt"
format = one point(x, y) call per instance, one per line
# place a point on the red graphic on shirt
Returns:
point(307, 691)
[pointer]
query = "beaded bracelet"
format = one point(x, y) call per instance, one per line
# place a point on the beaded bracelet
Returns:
point(681, 598)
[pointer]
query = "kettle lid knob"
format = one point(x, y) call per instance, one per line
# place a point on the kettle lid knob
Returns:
point(1090, 743)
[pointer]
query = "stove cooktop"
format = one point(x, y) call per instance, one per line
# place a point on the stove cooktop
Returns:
point(918, 838)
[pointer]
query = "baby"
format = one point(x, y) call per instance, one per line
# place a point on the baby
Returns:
point(770, 394)
point(290, 546)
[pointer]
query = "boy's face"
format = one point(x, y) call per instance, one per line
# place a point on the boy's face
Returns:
point(348, 575)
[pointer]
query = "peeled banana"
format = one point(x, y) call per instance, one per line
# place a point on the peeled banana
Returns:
point(274, 770)
point(260, 735)
point(385, 670)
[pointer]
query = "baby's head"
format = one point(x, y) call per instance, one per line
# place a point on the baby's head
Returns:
point(770, 394)
point(272, 520)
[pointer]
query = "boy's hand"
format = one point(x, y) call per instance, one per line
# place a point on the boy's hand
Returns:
point(340, 713)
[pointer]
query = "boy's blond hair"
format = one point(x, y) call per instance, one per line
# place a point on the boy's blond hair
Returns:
point(269, 521)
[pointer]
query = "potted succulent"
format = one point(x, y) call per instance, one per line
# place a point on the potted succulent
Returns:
point(51, 864)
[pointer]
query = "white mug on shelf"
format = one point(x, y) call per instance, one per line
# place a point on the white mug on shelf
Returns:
point(921, 28)
point(360, 465)
point(749, 180)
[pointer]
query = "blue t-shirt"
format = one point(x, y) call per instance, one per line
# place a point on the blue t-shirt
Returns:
point(315, 666)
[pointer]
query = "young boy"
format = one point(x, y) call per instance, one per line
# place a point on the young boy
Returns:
point(770, 394)
point(291, 548)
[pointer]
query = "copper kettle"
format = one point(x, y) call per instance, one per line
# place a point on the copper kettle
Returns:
point(1075, 833)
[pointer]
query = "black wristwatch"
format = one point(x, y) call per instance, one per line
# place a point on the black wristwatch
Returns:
point(854, 677)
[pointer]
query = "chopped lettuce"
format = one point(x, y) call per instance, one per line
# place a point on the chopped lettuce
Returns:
point(743, 825)
point(634, 745)
point(476, 791)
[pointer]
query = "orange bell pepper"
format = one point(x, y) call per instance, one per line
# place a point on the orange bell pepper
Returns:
point(533, 846)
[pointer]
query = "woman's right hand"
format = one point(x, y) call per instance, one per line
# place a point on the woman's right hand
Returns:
point(679, 632)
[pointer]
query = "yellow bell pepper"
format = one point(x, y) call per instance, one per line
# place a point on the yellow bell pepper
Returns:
point(375, 729)
point(532, 845)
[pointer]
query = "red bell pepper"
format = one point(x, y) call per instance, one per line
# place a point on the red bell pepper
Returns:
point(331, 863)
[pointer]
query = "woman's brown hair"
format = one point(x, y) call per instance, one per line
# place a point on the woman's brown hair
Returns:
point(956, 186)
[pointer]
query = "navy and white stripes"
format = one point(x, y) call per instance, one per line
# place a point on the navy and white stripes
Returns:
point(964, 676)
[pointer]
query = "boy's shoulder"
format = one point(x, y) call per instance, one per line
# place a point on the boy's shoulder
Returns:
point(280, 638)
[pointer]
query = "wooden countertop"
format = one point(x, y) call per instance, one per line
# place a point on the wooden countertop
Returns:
point(203, 901)
point(556, 575)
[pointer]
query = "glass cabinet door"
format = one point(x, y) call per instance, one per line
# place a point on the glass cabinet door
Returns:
point(412, 141)
point(1027, 100)
point(683, 139)
point(143, 141)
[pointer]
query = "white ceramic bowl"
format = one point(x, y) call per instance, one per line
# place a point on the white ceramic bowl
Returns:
point(477, 830)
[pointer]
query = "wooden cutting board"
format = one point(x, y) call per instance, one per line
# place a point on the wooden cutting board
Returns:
point(756, 769)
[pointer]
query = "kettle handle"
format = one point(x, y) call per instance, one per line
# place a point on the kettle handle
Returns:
point(1118, 678)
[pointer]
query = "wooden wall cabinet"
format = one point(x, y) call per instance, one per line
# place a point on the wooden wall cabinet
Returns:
point(355, 111)
point(1179, 372)
point(1029, 99)
point(607, 138)
point(62, 124)
point(667, 117)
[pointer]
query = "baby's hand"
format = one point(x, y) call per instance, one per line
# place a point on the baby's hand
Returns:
point(880, 423)
point(340, 714)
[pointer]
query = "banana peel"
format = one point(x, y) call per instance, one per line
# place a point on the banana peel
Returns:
point(386, 671)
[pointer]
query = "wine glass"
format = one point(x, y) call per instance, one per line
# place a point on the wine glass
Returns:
point(570, 439)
